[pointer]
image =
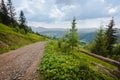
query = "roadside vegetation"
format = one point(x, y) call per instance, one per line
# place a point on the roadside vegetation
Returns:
point(12, 38)
point(106, 42)
point(15, 33)
point(63, 61)
point(56, 65)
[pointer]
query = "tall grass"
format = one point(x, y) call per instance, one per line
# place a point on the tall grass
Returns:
point(11, 39)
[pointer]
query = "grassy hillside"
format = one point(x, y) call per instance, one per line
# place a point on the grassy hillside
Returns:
point(11, 38)
point(56, 65)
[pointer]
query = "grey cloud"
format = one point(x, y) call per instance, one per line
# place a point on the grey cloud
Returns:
point(82, 9)
point(87, 9)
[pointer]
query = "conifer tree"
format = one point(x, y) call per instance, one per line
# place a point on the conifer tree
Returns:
point(73, 36)
point(5, 19)
point(11, 11)
point(100, 43)
point(0, 14)
point(69, 42)
point(22, 22)
point(111, 37)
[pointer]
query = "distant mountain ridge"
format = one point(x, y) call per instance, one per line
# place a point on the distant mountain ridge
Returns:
point(42, 29)
point(85, 34)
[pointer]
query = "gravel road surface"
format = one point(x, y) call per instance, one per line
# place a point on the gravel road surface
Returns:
point(21, 64)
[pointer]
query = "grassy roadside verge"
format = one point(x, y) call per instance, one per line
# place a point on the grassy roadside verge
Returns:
point(10, 39)
point(56, 65)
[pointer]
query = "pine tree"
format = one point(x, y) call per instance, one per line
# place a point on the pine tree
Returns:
point(0, 14)
point(22, 22)
point(73, 36)
point(111, 37)
point(12, 13)
point(5, 19)
point(100, 43)
point(69, 43)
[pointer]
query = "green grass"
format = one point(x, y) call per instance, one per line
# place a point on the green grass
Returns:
point(56, 65)
point(91, 59)
point(11, 39)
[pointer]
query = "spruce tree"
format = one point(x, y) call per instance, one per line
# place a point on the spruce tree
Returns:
point(12, 13)
point(5, 19)
point(100, 43)
point(111, 37)
point(0, 14)
point(22, 22)
point(73, 36)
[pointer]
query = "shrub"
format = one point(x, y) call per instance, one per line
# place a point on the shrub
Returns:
point(56, 66)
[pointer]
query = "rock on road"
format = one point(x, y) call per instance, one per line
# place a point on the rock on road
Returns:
point(21, 64)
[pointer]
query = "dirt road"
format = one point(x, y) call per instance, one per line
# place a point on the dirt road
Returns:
point(21, 64)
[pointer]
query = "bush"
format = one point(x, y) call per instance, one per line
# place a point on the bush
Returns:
point(56, 66)
point(116, 53)
point(116, 49)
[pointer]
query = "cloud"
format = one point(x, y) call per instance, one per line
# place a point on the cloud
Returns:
point(65, 24)
point(88, 23)
point(62, 11)
point(55, 13)
point(112, 10)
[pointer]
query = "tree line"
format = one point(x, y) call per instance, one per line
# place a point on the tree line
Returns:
point(105, 42)
point(7, 17)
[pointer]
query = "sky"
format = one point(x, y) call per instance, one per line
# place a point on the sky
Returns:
point(59, 13)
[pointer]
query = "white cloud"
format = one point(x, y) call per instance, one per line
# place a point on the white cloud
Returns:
point(112, 10)
point(50, 25)
point(56, 13)
point(88, 23)
point(68, 7)
point(93, 23)
point(90, 13)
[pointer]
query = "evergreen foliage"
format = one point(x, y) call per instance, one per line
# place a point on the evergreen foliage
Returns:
point(105, 42)
point(111, 37)
point(7, 17)
point(4, 15)
point(11, 11)
point(100, 43)
point(22, 22)
point(73, 36)
point(69, 42)
point(116, 49)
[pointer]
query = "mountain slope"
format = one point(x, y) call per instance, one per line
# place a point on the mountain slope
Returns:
point(10, 38)
point(86, 35)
